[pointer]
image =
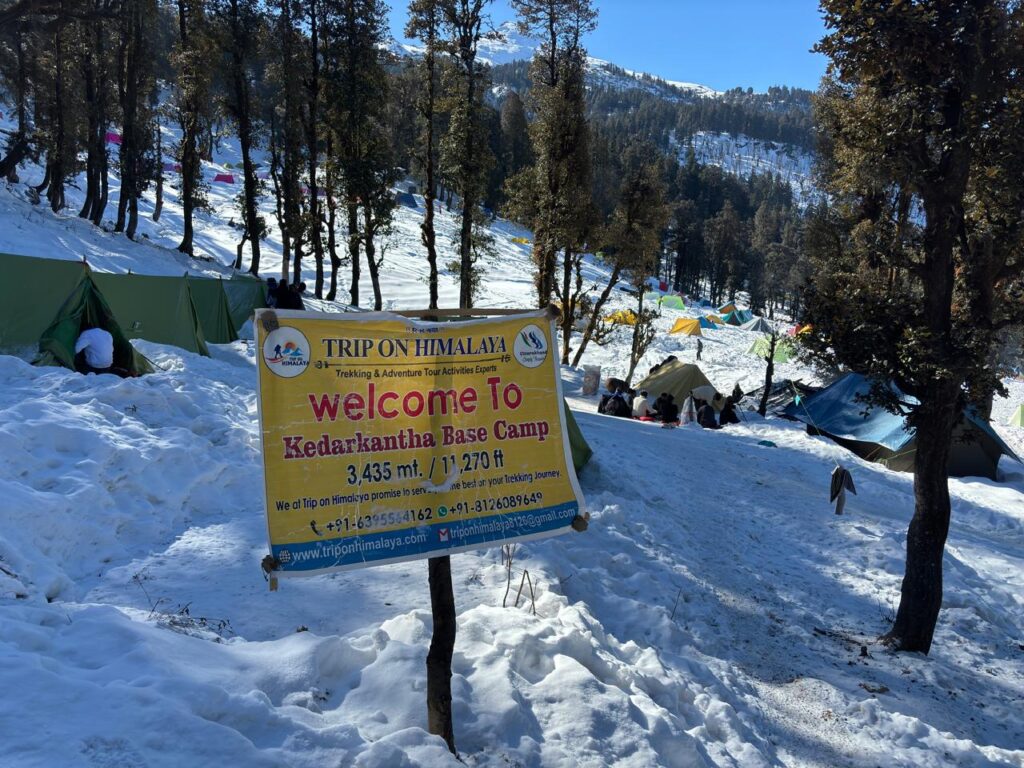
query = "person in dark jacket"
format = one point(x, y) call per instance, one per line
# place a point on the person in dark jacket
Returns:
point(728, 414)
point(706, 416)
point(669, 412)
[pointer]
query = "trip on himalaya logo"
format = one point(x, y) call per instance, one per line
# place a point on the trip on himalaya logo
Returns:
point(286, 352)
point(531, 346)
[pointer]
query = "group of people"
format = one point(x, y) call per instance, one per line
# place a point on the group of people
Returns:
point(282, 295)
point(620, 400)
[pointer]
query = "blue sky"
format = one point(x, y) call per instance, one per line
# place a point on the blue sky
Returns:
point(721, 44)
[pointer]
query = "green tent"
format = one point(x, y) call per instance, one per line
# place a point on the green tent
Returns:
point(85, 306)
point(1017, 420)
point(581, 452)
point(212, 307)
point(31, 293)
point(784, 349)
point(244, 295)
point(672, 301)
point(159, 309)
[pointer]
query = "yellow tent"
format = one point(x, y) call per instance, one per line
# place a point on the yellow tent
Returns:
point(715, 319)
point(687, 326)
point(622, 317)
point(521, 240)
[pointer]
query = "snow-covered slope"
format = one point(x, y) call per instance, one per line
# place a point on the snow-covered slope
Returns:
point(716, 612)
point(742, 155)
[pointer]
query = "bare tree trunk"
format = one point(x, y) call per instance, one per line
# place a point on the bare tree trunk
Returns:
point(428, 235)
point(921, 592)
point(315, 238)
point(332, 240)
point(353, 250)
point(568, 304)
point(762, 408)
point(439, 657)
point(596, 314)
point(371, 259)
point(275, 175)
point(159, 206)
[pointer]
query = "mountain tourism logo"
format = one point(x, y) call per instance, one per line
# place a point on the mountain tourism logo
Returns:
point(531, 346)
point(286, 352)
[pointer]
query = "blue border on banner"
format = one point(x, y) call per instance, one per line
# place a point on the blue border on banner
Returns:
point(423, 540)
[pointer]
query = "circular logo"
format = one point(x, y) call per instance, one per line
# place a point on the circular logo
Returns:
point(286, 352)
point(531, 346)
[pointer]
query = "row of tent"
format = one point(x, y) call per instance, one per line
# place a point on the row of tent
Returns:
point(688, 326)
point(46, 302)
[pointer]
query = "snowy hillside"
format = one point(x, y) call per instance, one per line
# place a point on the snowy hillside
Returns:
point(506, 45)
point(741, 156)
point(716, 612)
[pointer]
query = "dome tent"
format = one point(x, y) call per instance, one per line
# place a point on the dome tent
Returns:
point(687, 326)
point(675, 378)
point(758, 324)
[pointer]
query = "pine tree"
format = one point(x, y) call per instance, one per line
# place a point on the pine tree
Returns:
point(191, 59)
point(921, 111)
point(357, 88)
point(424, 25)
point(239, 24)
point(631, 241)
point(465, 151)
point(283, 112)
point(137, 159)
point(560, 178)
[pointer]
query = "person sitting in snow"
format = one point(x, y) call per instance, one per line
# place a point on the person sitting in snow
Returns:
point(94, 351)
point(616, 405)
point(706, 415)
point(642, 407)
point(728, 414)
point(669, 411)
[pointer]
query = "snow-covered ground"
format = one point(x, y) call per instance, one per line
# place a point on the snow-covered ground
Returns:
point(716, 612)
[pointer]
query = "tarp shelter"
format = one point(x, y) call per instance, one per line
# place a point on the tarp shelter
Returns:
point(622, 317)
point(244, 294)
point(212, 308)
point(758, 324)
point(730, 307)
point(784, 349)
point(672, 301)
point(875, 434)
point(1017, 420)
point(687, 326)
point(406, 199)
point(85, 307)
point(676, 378)
point(155, 308)
point(581, 451)
point(780, 397)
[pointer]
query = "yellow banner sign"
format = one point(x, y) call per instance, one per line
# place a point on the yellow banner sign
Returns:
point(388, 439)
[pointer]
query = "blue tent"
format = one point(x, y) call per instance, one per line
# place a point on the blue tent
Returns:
point(705, 323)
point(875, 434)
